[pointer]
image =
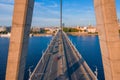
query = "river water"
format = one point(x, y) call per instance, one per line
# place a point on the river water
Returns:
point(88, 46)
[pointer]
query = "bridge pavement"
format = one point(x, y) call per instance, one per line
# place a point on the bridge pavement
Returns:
point(61, 61)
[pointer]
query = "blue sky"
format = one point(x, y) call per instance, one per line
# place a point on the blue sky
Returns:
point(46, 12)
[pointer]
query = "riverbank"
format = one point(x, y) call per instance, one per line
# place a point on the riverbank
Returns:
point(52, 34)
point(5, 35)
point(31, 35)
point(81, 33)
point(41, 35)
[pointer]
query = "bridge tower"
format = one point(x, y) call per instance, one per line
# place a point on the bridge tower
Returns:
point(109, 37)
point(21, 23)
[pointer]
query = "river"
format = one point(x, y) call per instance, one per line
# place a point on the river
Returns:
point(88, 46)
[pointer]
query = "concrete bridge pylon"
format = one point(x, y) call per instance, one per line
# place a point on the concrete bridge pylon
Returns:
point(109, 37)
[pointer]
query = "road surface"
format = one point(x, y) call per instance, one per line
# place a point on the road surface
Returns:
point(61, 61)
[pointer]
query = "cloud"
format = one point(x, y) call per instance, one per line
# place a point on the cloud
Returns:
point(54, 5)
point(7, 1)
point(42, 21)
point(7, 8)
point(45, 19)
point(46, 12)
point(40, 10)
point(6, 11)
point(5, 20)
point(79, 19)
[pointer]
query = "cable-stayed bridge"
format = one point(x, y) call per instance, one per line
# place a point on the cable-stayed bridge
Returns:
point(62, 61)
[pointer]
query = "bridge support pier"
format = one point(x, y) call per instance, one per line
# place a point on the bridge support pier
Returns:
point(21, 23)
point(109, 37)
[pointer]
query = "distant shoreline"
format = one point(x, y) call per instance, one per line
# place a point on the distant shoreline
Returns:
point(39, 35)
point(80, 34)
point(31, 35)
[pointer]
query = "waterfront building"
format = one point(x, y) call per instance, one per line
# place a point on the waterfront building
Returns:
point(36, 29)
point(91, 29)
point(50, 30)
point(2, 28)
point(81, 28)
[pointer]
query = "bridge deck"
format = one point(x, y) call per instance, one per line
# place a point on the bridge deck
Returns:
point(61, 61)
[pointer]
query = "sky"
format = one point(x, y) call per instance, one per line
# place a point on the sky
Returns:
point(46, 12)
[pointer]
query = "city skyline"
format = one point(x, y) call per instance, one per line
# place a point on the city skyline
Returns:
point(46, 12)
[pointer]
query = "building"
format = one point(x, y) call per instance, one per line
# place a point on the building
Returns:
point(50, 30)
point(35, 29)
point(2, 29)
point(91, 29)
point(82, 29)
